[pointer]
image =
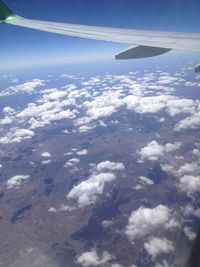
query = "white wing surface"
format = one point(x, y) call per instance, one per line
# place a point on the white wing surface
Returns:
point(143, 43)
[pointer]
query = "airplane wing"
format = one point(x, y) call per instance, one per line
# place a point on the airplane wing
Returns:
point(142, 43)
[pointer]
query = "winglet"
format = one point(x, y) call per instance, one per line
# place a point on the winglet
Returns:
point(5, 12)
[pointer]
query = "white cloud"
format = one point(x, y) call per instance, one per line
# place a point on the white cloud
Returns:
point(6, 121)
point(189, 168)
point(107, 223)
point(145, 221)
point(109, 165)
point(179, 106)
point(72, 162)
point(196, 152)
point(169, 147)
point(16, 180)
point(189, 184)
point(189, 233)
point(8, 110)
point(16, 136)
point(82, 152)
point(39, 115)
point(46, 154)
point(191, 122)
point(53, 94)
point(52, 209)
point(154, 150)
point(166, 79)
point(145, 180)
point(46, 162)
point(28, 87)
point(86, 192)
point(189, 210)
point(91, 258)
point(61, 208)
point(85, 128)
point(103, 105)
point(167, 168)
point(156, 246)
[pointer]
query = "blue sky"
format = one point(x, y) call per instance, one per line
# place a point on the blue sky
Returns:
point(28, 47)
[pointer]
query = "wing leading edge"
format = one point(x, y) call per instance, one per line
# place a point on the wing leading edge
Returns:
point(144, 43)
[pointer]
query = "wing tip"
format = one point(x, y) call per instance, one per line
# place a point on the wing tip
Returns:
point(5, 12)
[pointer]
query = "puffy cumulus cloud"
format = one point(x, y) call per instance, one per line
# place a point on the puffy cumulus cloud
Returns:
point(143, 182)
point(91, 258)
point(189, 210)
point(53, 94)
point(166, 79)
point(143, 105)
point(6, 120)
point(146, 181)
point(17, 180)
point(170, 104)
point(85, 128)
point(191, 122)
point(178, 106)
point(116, 265)
point(196, 152)
point(145, 221)
point(189, 184)
point(82, 152)
point(86, 192)
point(8, 110)
point(154, 150)
point(170, 147)
point(167, 168)
point(109, 165)
point(46, 162)
point(189, 233)
point(16, 136)
point(101, 106)
point(28, 87)
point(61, 208)
point(107, 223)
point(46, 154)
point(39, 115)
point(87, 105)
point(72, 162)
point(156, 246)
point(189, 168)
